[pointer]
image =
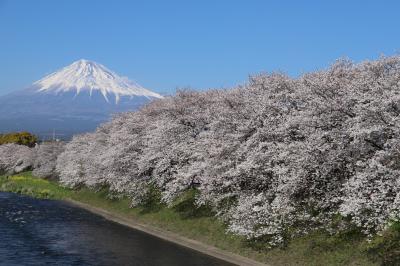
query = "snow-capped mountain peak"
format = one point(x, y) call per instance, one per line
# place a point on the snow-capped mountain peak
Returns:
point(85, 75)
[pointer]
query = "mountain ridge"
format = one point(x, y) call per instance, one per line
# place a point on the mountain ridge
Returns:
point(86, 75)
point(74, 99)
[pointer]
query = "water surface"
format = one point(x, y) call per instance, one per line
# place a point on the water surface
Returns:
point(45, 232)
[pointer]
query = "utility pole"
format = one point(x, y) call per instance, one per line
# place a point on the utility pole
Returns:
point(52, 135)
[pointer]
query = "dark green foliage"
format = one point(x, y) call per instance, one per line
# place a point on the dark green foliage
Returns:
point(260, 244)
point(186, 206)
point(386, 248)
point(21, 138)
point(152, 200)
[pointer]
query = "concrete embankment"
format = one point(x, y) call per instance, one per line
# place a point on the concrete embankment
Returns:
point(169, 236)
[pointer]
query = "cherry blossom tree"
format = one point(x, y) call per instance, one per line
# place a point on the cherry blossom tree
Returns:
point(15, 158)
point(46, 155)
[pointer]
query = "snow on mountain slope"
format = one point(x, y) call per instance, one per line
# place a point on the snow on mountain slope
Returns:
point(73, 100)
point(84, 75)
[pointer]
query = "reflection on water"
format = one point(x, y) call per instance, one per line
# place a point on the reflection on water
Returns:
point(44, 232)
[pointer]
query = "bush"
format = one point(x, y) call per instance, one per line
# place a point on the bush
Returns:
point(21, 138)
point(386, 248)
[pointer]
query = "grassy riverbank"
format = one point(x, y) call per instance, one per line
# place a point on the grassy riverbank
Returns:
point(184, 219)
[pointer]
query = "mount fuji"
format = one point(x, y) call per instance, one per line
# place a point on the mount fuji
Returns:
point(72, 100)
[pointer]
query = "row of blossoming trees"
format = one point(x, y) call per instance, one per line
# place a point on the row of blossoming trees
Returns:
point(42, 158)
point(275, 158)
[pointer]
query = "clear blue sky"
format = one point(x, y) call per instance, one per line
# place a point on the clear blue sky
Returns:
point(202, 44)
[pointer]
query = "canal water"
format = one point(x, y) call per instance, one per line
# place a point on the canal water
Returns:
point(45, 232)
